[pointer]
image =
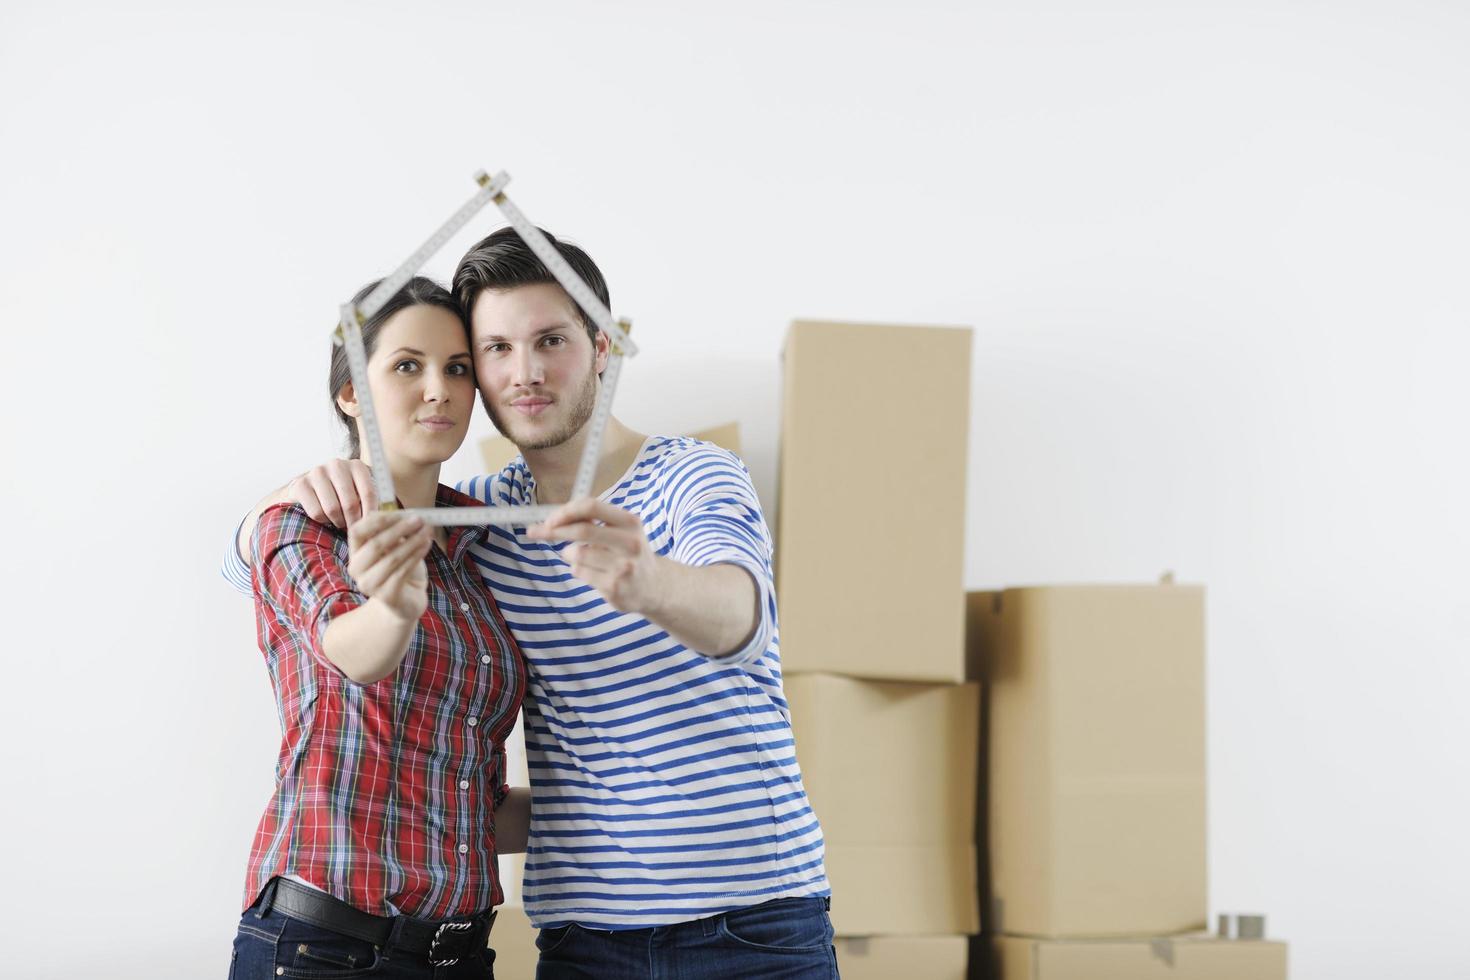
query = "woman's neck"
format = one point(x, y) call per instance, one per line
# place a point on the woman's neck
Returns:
point(416, 485)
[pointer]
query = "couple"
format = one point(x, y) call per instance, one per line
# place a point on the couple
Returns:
point(667, 832)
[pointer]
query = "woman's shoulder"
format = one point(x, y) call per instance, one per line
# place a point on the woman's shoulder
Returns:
point(288, 523)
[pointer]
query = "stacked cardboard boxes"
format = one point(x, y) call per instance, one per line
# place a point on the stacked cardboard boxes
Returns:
point(1095, 802)
point(1088, 782)
point(872, 618)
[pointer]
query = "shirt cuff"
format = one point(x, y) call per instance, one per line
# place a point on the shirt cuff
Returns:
point(234, 568)
point(765, 625)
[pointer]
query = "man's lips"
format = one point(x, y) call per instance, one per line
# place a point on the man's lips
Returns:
point(530, 406)
point(437, 423)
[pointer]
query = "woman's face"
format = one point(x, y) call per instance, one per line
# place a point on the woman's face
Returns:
point(423, 386)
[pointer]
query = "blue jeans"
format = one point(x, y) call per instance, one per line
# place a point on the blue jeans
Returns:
point(788, 939)
point(273, 946)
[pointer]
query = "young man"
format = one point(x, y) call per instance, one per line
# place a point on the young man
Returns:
point(671, 834)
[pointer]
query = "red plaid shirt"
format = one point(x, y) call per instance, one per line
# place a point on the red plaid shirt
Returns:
point(385, 793)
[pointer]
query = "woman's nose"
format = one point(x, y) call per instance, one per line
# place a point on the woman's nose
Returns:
point(436, 388)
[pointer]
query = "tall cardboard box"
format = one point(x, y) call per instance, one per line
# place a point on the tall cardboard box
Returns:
point(890, 769)
point(1096, 765)
point(896, 957)
point(1163, 958)
point(873, 418)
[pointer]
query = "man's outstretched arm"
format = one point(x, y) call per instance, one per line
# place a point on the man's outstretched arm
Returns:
point(711, 609)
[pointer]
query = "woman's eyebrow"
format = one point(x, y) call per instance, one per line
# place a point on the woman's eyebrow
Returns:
point(419, 353)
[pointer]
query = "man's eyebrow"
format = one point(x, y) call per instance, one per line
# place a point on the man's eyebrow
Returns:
point(554, 328)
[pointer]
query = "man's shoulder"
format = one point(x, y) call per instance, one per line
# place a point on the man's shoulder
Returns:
point(669, 454)
point(511, 485)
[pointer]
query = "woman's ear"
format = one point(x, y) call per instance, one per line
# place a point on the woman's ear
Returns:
point(347, 401)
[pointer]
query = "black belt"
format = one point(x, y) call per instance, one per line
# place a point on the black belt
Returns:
point(444, 942)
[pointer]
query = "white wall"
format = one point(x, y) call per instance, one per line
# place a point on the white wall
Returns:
point(1214, 255)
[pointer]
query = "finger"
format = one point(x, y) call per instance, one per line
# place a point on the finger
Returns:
point(301, 491)
point(409, 582)
point(409, 548)
point(322, 487)
point(382, 523)
point(409, 572)
point(591, 562)
point(362, 478)
point(384, 534)
point(344, 487)
point(616, 540)
point(404, 554)
point(589, 509)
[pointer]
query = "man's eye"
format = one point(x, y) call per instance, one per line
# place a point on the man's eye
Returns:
point(406, 366)
point(495, 348)
point(553, 341)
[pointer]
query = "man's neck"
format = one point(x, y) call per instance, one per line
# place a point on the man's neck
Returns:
point(555, 468)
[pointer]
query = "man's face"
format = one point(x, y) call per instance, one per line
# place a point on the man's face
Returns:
point(536, 366)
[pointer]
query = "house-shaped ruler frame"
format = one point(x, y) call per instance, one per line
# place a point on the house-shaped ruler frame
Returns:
point(349, 335)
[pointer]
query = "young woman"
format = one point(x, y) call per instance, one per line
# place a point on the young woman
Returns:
point(396, 683)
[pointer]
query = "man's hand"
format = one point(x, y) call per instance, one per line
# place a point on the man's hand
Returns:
point(337, 493)
point(609, 551)
point(386, 552)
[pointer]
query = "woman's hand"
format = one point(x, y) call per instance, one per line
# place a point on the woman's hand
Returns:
point(386, 560)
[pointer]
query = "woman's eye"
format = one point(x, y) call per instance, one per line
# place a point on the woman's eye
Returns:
point(406, 367)
point(459, 370)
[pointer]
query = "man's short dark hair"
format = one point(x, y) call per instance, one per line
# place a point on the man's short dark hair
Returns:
point(503, 261)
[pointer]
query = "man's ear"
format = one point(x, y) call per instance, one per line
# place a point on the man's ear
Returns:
point(347, 401)
point(602, 344)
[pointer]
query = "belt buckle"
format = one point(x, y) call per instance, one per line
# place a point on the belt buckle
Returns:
point(451, 936)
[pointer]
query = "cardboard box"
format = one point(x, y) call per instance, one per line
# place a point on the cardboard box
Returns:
point(1096, 758)
point(1166, 958)
point(514, 942)
point(891, 770)
point(873, 418)
point(496, 451)
point(913, 957)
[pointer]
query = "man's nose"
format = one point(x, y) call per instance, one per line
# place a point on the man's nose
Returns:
point(528, 370)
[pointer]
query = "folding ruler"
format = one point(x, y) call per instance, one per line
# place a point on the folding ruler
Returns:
point(349, 335)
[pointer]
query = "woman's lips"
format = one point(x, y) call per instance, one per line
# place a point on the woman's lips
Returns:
point(437, 423)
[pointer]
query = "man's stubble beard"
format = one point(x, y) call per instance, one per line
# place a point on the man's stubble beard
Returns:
point(582, 410)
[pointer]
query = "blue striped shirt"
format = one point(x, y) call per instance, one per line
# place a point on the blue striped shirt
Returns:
point(664, 783)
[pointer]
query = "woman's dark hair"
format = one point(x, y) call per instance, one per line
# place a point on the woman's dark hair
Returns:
point(419, 291)
point(503, 261)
